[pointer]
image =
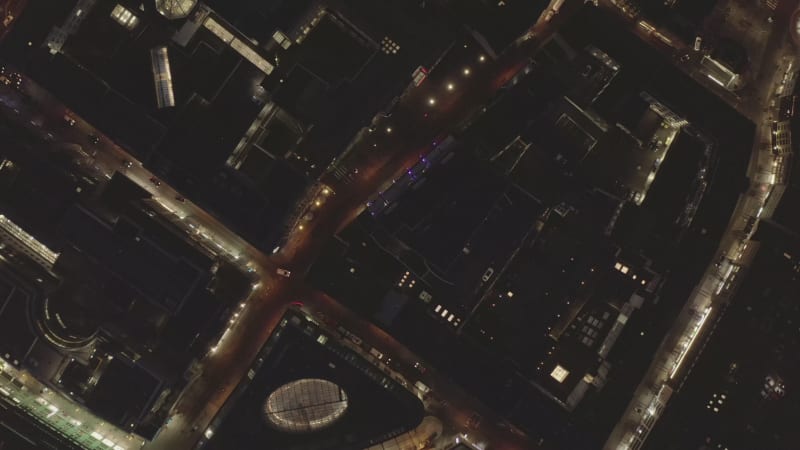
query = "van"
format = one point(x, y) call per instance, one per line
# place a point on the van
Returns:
point(374, 352)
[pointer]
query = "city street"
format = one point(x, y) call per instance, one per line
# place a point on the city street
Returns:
point(675, 356)
point(421, 116)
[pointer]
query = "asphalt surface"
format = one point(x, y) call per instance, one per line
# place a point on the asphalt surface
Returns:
point(375, 159)
point(679, 348)
point(400, 139)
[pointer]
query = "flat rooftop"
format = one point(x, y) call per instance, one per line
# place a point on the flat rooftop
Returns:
point(739, 393)
point(377, 407)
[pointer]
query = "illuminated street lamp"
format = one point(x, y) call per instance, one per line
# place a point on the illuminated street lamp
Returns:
point(467, 71)
point(481, 58)
point(450, 86)
point(431, 101)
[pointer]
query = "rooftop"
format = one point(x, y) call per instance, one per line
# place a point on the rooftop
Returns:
point(345, 400)
point(738, 393)
point(306, 405)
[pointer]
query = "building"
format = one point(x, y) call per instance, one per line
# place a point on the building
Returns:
point(309, 389)
point(101, 297)
point(616, 161)
point(738, 394)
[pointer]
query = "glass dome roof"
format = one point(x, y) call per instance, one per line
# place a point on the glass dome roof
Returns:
point(175, 9)
point(305, 405)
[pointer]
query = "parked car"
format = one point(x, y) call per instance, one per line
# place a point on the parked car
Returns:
point(284, 273)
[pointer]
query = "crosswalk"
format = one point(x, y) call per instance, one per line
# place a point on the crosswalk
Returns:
point(344, 174)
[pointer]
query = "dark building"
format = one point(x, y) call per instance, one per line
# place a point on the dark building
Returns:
point(307, 390)
point(99, 292)
point(258, 88)
point(741, 391)
point(685, 19)
point(604, 178)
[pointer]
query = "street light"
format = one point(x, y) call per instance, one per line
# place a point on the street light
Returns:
point(482, 58)
point(431, 101)
point(466, 71)
point(450, 86)
point(389, 130)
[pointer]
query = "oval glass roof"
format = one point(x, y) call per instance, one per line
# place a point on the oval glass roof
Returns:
point(175, 9)
point(305, 405)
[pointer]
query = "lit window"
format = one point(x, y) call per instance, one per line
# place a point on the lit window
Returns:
point(124, 17)
point(388, 46)
point(559, 374)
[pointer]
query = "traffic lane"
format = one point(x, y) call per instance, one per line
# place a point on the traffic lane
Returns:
point(454, 416)
point(430, 109)
point(204, 405)
point(658, 373)
point(224, 369)
point(675, 49)
point(460, 405)
point(216, 376)
point(374, 168)
point(108, 158)
point(114, 158)
point(659, 370)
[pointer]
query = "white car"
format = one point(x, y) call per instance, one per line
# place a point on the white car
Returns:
point(284, 273)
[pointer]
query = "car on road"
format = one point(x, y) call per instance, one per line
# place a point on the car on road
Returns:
point(180, 199)
point(69, 120)
point(487, 275)
point(284, 273)
point(94, 139)
point(420, 367)
point(155, 181)
point(127, 163)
